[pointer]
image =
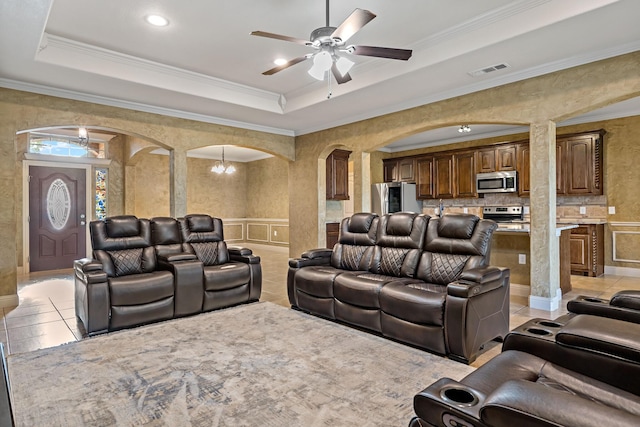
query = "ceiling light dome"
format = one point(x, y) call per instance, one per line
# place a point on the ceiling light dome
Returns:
point(157, 20)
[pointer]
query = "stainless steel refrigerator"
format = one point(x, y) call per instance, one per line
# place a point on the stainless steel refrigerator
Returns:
point(390, 197)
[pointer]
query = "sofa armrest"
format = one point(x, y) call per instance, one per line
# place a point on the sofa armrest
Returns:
point(320, 256)
point(622, 310)
point(245, 255)
point(89, 271)
point(477, 281)
point(626, 299)
point(522, 402)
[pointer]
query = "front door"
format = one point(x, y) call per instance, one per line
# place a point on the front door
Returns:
point(57, 217)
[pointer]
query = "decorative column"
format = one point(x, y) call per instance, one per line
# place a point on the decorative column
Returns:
point(178, 183)
point(8, 217)
point(544, 245)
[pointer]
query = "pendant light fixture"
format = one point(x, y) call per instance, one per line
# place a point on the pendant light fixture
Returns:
point(221, 167)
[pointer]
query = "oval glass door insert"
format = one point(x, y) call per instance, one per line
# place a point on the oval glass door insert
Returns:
point(58, 204)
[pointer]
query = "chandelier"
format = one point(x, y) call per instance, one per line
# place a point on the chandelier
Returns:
point(221, 167)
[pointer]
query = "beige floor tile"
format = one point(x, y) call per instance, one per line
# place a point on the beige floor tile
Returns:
point(68, 313)
point(32, 319)
point(57, 331)
point(28, 310)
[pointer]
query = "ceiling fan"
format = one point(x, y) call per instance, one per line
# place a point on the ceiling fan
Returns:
point(329, 42)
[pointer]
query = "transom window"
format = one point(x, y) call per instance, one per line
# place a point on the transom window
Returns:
point(56, 145)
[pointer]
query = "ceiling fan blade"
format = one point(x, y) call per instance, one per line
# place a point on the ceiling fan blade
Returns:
point(339, 77)
point(287, 65)
point(281, 37)
point(358, 19)
point(381, 52)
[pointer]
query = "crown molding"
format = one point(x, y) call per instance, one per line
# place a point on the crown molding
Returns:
point(112, 102)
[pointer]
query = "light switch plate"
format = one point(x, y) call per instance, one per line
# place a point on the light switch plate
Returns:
point(522, 258)
point(612, 210)
point(526, 210)
point(465, 210)
point(583, 210)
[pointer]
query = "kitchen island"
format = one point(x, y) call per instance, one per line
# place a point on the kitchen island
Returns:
point(511, 248)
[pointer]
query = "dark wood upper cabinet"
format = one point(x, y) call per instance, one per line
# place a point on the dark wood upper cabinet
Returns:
point(494, 159)
point(524, 156)
point(561, 160)
point(465, 174)
point(443, 176)
point(583, 164)
point(400, 169)
point(338, 175)
point(424, 177)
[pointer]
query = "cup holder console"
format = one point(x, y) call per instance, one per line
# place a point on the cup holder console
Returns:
point(550, 324)
point(538, 331)
point(458, 396)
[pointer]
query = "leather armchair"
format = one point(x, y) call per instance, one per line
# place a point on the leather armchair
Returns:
point(311, 288)
point(230, 275)
point(121, 287)
point(624, 305)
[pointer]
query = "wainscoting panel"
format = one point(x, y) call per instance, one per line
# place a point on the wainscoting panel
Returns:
point(626, 241)
point(233, 232)
point(269, 231)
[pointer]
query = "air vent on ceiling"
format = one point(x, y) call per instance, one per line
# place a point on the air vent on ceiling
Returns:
point(487, 70)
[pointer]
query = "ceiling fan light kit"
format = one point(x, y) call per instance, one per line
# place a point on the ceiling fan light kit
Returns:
point(329, 43)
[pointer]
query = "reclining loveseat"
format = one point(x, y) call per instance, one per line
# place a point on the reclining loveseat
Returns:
point(577, 371)
point(415, 279)
point(145, 271)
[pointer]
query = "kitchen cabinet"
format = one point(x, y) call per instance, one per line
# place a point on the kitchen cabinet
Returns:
point(465, 174)
point(578, 165)
point(443, 176)
point(338, 175)
point(496, 159)
point(587, 250)
point(582, 164)
point(424, 178)
point(333, 234)
point(399, 169)
point(524, 158)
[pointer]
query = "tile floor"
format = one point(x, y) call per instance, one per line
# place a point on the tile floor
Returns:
point(46, 316)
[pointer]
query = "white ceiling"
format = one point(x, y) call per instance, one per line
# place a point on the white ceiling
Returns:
point(206, 66)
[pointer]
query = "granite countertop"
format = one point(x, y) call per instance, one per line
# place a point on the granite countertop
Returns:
point(525, 227)
point(581, 221)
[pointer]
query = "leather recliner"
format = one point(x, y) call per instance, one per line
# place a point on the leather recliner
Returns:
point(230, 275)
point(427, 282)
point(121, 286)
point(624, 305)
point(582, 373)
point(312, 288)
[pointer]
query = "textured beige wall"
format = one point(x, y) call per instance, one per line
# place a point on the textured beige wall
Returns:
point(222, 196)
point(151, 186)
point(268, 189)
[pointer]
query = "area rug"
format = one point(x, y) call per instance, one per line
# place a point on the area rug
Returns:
point(253, 365)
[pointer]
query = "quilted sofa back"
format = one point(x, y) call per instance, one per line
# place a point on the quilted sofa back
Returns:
point(454, 243)
point(355, 245)
point(202, 235)
point(398, 244)
point(123, 245)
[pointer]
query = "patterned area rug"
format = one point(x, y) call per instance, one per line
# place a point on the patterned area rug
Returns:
point(257, 364)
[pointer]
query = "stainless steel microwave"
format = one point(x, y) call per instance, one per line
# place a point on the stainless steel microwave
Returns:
point(497, 182)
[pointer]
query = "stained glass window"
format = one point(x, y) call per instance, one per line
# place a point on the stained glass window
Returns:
point(101, 193)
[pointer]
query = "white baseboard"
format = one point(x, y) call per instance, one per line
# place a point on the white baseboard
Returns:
point(9, 300)
point(544, 303)
point(622, 271)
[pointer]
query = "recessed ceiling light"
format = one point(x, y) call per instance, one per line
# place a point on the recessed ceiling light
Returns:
point(280, 61)
point(157, 20)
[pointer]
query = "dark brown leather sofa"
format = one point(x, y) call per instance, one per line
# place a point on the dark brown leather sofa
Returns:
point(145, 271)
point(419, 280)
point(580, 373)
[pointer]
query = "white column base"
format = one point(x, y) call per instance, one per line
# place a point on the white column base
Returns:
point(9, 300)
point(547, 304)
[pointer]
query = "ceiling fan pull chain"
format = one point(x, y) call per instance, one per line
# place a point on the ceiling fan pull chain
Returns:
point(329, 80)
